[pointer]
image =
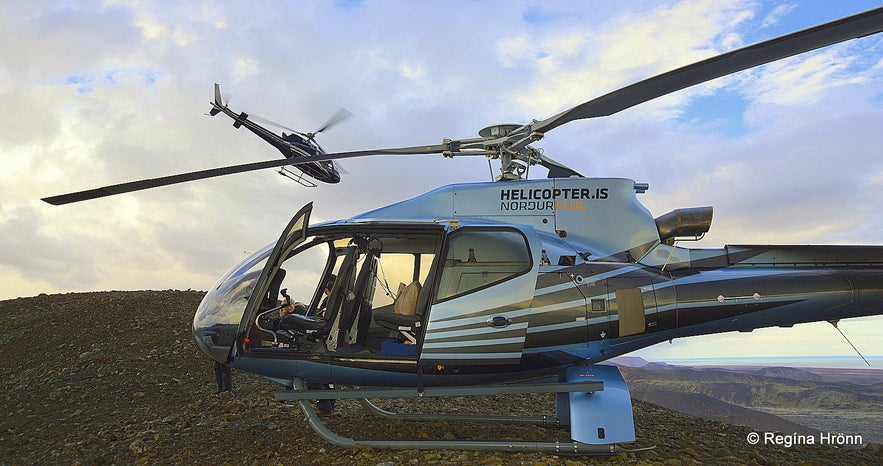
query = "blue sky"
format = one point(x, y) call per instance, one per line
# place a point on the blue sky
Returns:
point(96, 93)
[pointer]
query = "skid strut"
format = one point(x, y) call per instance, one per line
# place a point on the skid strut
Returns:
point(583, 389)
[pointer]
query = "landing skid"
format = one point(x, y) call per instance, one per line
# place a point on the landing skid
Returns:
point(296, 177)
point(541, 421)
point(593, 401)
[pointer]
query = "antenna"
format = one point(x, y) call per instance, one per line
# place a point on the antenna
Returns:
point(834, 323)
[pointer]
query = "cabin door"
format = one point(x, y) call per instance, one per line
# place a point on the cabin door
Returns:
point(483, 297)
point(293, 235)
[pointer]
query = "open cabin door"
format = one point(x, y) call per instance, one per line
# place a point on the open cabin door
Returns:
point(293, 235)
point(483, 297)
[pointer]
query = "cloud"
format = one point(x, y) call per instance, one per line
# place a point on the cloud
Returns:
point(97, 93)
point(804, 80)
point(776, 15)
point(245, 68)
point(577, 63)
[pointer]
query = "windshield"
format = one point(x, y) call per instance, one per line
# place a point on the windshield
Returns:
point(218, 316)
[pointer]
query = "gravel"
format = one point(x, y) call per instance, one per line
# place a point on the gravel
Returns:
point(113, 378)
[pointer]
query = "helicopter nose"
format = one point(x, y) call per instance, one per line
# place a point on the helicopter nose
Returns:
point(216, 343)
point(217, 319)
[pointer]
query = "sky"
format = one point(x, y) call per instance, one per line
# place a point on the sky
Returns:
point(98, 93)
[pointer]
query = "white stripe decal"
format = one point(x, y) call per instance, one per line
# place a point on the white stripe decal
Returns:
point(481, 332)
point(589, 279)
point(466, 344)
point(566, 325)
point(559, 306)
point(473, 356)
point(514, 314)
point(720, 276)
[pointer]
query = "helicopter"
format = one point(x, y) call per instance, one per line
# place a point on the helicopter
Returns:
point(515, 285)
point(293, 145)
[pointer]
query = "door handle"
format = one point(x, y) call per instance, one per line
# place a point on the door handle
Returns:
point(498, 322)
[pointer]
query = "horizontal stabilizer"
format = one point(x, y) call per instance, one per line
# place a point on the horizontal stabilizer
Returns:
point(242, 117)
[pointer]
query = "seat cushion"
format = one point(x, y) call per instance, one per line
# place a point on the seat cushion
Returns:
point(388, 318)
point(301, 322)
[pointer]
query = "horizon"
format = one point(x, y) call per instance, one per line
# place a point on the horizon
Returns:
point(806, 361)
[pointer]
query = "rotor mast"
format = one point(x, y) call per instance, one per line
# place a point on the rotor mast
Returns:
point(510, 144)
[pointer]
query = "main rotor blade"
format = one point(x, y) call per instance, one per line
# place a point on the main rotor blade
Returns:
point(862, 24)
point(215, 172)
point(266, 121)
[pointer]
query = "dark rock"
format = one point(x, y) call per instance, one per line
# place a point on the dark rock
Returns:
point(151, 403)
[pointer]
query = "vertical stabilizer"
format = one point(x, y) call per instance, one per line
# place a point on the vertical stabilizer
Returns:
point(216, 105)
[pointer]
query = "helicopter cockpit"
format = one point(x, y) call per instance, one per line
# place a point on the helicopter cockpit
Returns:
point(302, 143)
point(322, 296)
point(356, 288)
point(344, 277)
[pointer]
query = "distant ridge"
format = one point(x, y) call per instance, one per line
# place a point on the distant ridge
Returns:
point(803, 362)
point(790, 373)
point(706, 407)
point(737, 395)
point(755, 366)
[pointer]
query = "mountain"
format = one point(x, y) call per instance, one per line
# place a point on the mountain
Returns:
point(857, 376)
point(744, 389)
point(766, 399)
point(790, 373)
point(706, 407)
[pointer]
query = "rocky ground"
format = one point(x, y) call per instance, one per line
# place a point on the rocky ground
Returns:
point(113, 378)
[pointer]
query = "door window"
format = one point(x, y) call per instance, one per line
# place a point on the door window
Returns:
point(477, 259)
